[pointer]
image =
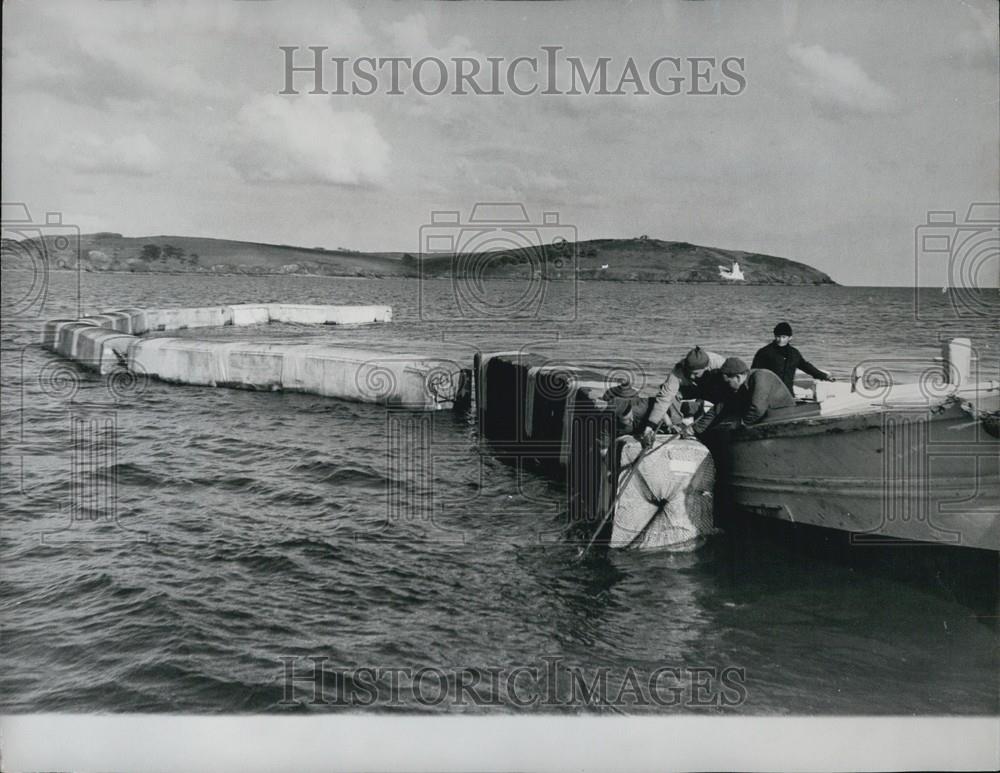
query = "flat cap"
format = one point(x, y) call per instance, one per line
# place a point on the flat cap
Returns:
point(733, 366)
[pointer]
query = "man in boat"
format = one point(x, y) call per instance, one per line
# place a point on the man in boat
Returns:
point(783, 359)
point(694, 377)
point(752, 393)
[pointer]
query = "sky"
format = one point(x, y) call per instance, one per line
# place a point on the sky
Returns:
point(854, 120)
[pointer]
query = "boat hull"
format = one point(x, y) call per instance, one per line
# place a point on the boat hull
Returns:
point(926, 475)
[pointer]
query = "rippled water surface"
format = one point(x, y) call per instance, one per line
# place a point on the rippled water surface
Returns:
point(251, 528)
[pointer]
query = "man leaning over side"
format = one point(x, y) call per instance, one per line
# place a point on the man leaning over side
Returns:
point(690, 378)
point(753, 392)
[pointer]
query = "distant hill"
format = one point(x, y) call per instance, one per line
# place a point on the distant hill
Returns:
point(637, 260)
point(182, 254)
point(621, 260)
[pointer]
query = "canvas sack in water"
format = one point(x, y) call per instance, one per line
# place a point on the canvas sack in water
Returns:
point(667, 502)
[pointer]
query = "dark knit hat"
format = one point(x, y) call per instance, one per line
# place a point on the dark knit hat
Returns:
point(696, 359)
point(782, 329)
point(733, 366)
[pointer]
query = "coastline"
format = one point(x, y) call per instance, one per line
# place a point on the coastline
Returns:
point(441, 278)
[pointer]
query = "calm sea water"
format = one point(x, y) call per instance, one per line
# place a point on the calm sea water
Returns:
point(226, 534)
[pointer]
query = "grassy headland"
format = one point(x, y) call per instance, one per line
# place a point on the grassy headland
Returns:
point(620, 260)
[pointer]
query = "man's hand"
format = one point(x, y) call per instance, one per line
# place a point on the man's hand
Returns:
point(829, 375)
point(648, 435)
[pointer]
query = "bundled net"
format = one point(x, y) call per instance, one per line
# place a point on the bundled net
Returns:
point(667, 502)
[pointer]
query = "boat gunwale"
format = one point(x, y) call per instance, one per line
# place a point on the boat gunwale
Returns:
point(943, 409)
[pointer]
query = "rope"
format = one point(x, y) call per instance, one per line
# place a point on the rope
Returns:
point(634, 467)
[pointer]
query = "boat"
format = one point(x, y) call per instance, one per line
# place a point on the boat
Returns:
point(873, 461)
point(734, 274)
point(902, 467)
point(916, 462)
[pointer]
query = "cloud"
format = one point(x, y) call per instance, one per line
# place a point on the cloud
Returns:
point(80, 61)
point(282, 139)
point(412, 37)
point(159, 55)
point(133, 154)
point(837, 83)
point(489, 176)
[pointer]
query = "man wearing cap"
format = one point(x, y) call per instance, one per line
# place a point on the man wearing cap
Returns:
point(692, 377)
point(782, 358)
point(753, 392)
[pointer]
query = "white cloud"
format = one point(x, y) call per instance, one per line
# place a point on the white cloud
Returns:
point(133, 154)
point(412, 37)
point(304, 139)
point(837, 83)
point(163, 54)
